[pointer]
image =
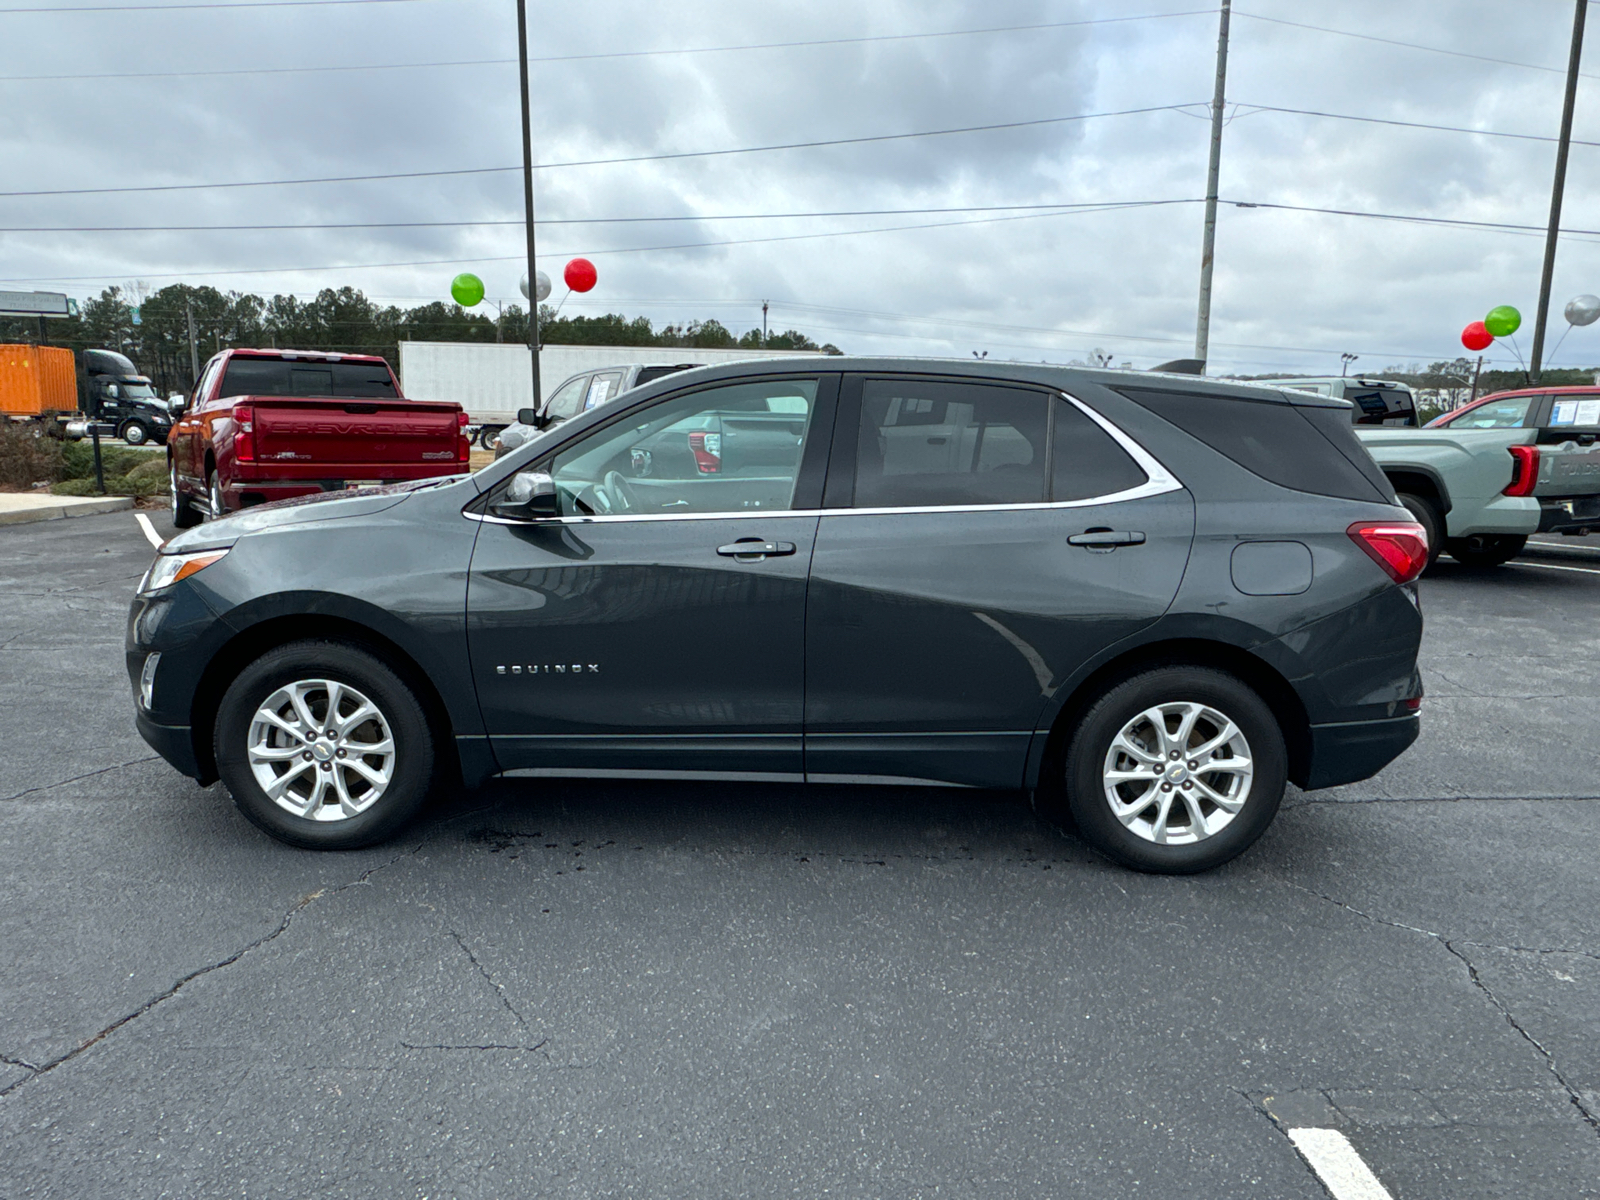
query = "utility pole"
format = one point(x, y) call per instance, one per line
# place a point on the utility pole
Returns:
point(527, 195)
point(763, 324)
point(1202, 332)
point(194, 353)
point(1556, 190)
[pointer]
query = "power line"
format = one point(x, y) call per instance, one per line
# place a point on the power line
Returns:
point(100, 8)
point(434, 262)
point(1367, 37)
point(1410, 219)
point(1311, 112)
point(859, 212)
point(561, 58)
point(601, 162)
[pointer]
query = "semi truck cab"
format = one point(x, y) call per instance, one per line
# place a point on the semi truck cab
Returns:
point(114, 393)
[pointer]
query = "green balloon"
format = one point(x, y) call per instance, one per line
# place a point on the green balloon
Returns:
point(1503, 321)
point(466, 289)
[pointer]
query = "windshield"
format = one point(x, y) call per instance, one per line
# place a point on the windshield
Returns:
point(138, 391)
point(289, 377)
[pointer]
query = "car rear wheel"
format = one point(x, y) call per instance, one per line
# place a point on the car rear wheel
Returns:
point(1176, 770)
point(1426, 514)
point(322, 745)
point(219, 508)
point(184, 513)
point(1486, 549)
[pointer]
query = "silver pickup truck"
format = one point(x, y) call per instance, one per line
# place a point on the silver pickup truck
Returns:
point(1482, 478)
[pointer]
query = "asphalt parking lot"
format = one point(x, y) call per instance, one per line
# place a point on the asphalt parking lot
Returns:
point(627, 989)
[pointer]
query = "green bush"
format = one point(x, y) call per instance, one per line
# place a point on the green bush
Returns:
point(127, 472)
point(115, 460)
point(27, 457)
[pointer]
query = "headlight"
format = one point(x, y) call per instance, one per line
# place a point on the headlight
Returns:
point(168, 569)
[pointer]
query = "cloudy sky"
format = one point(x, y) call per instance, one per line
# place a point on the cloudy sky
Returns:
point(148, 98)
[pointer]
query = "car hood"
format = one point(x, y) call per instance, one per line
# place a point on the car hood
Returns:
point(301, 510)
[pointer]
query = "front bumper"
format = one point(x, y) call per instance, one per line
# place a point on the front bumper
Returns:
point(1351, 751)
point(173, 742)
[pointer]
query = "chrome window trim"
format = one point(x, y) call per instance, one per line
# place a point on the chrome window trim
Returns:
point(1158, 482)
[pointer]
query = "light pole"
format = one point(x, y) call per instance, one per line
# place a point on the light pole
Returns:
point(527, 193)
point(1556, 190)
point(1344, 363)
point(1208, 244)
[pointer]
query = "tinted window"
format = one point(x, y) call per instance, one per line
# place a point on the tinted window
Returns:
point(1274, 440)
point(725, 449)
point(922, 443)
point(568, 398)
point(647, 374)
point(283, 377)
point(1087, 461)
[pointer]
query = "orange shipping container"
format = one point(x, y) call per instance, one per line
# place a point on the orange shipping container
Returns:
point(37, 379)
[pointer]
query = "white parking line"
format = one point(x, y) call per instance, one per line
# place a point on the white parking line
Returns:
point(1338, 1165)
point(150, 533)
point(1558, 567)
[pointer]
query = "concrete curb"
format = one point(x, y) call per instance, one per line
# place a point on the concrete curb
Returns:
point(21, 508)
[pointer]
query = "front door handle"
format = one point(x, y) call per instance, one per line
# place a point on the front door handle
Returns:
point(1106, 539)
point(753, 548)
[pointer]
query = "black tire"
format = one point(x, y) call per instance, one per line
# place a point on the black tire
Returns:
point(1427, 515)
point(487, 435)
point(1486, 549)
point(410, 771)
point(1215, 691)
point(184, 514)
point(135, 433)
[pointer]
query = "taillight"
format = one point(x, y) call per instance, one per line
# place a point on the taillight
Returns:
point(707, 450)
point(1524, 470)
point(463, 449)
point(1399, 547)
point(461, 419)
point(244, 433)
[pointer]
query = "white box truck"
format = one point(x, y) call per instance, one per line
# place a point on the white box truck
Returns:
point(492, 380)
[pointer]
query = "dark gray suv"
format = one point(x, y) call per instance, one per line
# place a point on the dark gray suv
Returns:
point(1150, 600)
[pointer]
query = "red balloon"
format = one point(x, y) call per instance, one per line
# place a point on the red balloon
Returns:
point(581, 275)
point(1476, 337)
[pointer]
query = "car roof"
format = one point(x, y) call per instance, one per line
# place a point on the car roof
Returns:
point(291, 355)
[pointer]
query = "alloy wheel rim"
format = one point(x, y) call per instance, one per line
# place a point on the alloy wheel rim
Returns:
point(216, 500)
point(172, 488)
point(321, 750)
point(1178, 773)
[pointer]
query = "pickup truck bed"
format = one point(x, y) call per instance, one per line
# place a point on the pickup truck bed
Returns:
point(236, 447)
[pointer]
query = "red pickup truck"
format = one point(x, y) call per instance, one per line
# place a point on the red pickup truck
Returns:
point(267, 425)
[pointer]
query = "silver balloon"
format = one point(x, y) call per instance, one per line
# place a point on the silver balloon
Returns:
point(1583, 310)
point(543, 287)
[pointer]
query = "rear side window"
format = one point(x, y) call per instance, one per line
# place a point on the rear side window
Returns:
point(650, 374)
point(924, 443)
point(1276, 441)
point(1086, 460)
point(285, 377)
point(1496, 414)
point(568, 398)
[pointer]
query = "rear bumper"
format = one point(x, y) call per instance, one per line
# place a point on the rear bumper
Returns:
point(1351, 751)
point(244, 491)
point(1569, 513)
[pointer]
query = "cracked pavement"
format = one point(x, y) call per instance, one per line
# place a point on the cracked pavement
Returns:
point(641, 989)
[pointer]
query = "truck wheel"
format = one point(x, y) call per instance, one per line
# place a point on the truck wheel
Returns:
point(134, 433)
point(184, 514)
point(1431, 520)
point(1176, 770)
point(1486, 549)
point(219, 507)
point(321, 745)
point(487, 435)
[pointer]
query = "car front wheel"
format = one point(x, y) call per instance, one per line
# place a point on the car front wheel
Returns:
point(184, 513)
point(1176, 770)
point(135, 434)
point(322, 745)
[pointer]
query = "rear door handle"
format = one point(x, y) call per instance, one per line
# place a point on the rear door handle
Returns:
point(755, 548)
point(1106, 539)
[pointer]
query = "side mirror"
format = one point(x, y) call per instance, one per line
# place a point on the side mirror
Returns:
point(176, 405)
point(113, 391)
point(529, 496)
point(528, 416)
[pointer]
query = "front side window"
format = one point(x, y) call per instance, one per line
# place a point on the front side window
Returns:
point(923, 444)
point(568, 399)
point(1496, 414)
point(734, 448)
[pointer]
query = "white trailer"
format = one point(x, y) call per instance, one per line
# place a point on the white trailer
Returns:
point(491, 380)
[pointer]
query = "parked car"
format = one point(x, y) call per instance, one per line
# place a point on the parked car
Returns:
point(585, 390)
point(1150, 601)
point(265, 425)
point(1372, 401)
